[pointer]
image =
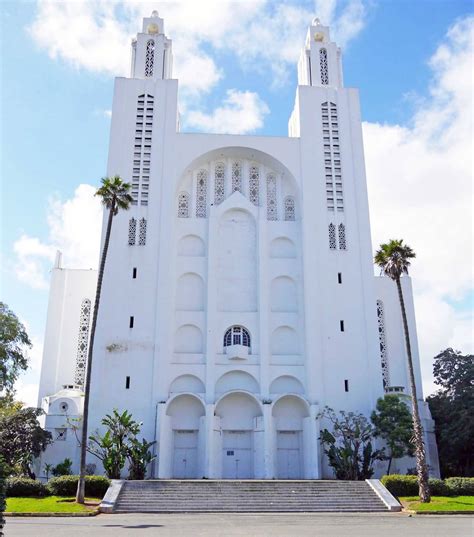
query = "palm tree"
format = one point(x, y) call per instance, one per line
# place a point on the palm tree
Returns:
point(114, 194)
point(393, 258)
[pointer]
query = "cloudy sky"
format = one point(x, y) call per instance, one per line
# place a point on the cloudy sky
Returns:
point(236, 65)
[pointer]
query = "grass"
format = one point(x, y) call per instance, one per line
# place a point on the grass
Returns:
point(439, 503)
point(50, 504)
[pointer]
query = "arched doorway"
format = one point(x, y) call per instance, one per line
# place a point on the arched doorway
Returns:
point(289, 413)
point(239, 415)
point(186, 412)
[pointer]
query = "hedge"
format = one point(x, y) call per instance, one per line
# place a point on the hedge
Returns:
point(24, 486)
point(66, 485)
point(407, 485)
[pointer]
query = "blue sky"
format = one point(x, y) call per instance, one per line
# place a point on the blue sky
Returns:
point(55, 123)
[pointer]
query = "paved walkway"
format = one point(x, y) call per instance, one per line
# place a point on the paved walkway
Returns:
point(251, 525)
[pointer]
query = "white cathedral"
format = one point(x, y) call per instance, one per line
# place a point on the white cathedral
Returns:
point(239, 296)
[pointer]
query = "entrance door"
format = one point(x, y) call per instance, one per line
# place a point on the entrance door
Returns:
point(238, 455)
point(185, 454)
point(288, 455)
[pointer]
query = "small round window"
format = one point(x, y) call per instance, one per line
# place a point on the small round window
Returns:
point(64, 406)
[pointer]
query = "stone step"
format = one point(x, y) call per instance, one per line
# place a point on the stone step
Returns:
point(246, 496)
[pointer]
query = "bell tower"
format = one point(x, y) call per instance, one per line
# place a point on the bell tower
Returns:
point(151, 51)
point(320, 59)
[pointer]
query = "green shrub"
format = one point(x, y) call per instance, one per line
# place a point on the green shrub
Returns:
point(401, 485)
point(24, 486)
point(63, 468)
point(66, 485)
point(438, 487)
point(460, 486)
point(407, 485)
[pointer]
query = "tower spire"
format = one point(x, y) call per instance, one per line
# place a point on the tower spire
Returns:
point(151, 50)
point(320, 59)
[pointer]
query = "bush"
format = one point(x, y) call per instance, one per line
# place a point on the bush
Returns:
point(438, 487)
point(407, 485)
point(460, 486)
point(66, 485)
point(63, 468)
point(401, 485)
point(24, 486)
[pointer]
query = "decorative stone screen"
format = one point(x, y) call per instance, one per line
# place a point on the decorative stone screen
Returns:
point(82, 342)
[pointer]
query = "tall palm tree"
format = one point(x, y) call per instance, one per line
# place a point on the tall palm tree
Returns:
point(393, 258)
point(114, 194)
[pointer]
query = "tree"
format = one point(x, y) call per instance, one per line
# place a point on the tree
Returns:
point(112, 448)
point(393, 258)
point(63, 468)
point(14, 342)
point(22, 439)
point(48, 468)
point(139, 456)
point(394, 423)
point(114, 194)
point(454, 373)
point(349, 446)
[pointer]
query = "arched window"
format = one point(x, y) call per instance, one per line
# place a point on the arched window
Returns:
point(201, 194)
point(183, 205)
point(142, 233)
point(323, 63)
point(236, 177)
point(132, 231)
point(82, 342)
point(289, 208)
point(219, 183)
point(332, 236)
point(237, 335)
point(254, 180)
point(342, 236)
point(150, 57)
point(383, 344)
point(271, 197)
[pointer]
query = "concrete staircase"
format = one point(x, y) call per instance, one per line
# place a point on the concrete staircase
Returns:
point(201, 496)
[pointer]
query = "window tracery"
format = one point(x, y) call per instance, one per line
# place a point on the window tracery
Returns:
point(236, 177)
point(201, 194)
point(142, 233)
point(82, 342)
point(237, 335)
point(219, 183)
point(149, 58)
point(183, 205)
point(272, 213)
point(332, 236)
point(383, 343)
point(323, 64)
point(254, 185)
point(289, 208)
point(132, 231)
point(342, 236)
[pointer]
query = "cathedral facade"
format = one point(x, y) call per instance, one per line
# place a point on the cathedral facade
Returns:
point(239, 296)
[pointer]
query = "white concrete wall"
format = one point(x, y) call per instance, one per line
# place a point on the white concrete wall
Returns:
point(196, 277)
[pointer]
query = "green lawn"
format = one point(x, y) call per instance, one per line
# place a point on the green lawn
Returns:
point(439, 503)
point(50, 504)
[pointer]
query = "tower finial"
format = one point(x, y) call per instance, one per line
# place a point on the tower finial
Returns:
point(154, 13)
point(316, 21)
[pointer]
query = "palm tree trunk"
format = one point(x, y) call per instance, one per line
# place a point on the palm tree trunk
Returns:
point(81, 485)
point(389, 465)
point(421, 467)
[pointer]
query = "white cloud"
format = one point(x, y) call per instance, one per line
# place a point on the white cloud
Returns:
point(241, 112)
point(72, 224)
point(420, 189)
